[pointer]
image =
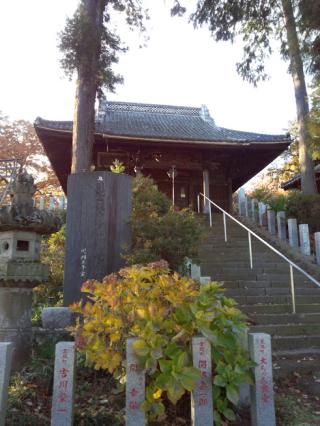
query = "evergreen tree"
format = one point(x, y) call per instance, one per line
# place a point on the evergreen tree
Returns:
point(90, 49)
point(260, 23)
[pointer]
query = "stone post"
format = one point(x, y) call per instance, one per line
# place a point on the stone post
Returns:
point(262, 214)
point(201, 397)
point(281, 223)
point(293, 233)
point(135, 388)
point(42, 203)
point(51, 203)
point(262, 398)
point(63, 385)
point(21, 226)
point(61, 203)
point(242, 202)
point(195, 272)
point(254, 210)
point(271, 215)
point(249, 208)
point(205, 280)
point(5, 368)
point(244, 389)
point(317, 244)
point(206, 190)
point(304, 239)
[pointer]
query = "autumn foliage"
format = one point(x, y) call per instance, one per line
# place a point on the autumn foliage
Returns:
point(164, 311)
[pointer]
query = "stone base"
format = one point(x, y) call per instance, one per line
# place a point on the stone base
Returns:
point(15, 322)
point(22, 270)
point(56, 318)
point(22, 345)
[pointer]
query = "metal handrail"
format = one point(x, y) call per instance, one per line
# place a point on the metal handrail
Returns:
point(251, 233)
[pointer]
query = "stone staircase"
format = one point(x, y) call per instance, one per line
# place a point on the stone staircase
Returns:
point(263, 294)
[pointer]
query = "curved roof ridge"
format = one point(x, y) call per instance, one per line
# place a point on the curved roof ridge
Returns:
point(163, 122)
point(148, 108)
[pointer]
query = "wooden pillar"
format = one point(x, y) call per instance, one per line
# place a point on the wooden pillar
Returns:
point(230, 200)
point(192, 201)
point(206, 189)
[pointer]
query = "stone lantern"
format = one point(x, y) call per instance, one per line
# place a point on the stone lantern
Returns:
point(21, 227)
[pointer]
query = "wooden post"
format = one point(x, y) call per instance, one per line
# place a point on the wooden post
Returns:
point(206, 190)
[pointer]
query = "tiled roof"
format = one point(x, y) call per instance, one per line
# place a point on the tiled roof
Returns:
point(291, 183)
point(162, 122)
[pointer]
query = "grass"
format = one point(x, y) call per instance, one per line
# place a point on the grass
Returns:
point(290, 412)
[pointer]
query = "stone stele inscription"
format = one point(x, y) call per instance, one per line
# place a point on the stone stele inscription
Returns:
point(135, 388)
point(262, 399)
point(201, 400)
point(63, 386)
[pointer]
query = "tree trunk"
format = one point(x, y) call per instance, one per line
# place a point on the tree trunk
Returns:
point(86, 89)
point(308, 182)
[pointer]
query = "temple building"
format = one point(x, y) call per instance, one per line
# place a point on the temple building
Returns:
point(295, 182)
point(181, 148)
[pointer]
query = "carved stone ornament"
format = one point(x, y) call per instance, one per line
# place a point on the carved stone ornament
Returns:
point(21, 214)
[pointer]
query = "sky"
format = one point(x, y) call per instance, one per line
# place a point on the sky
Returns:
point(179, 66)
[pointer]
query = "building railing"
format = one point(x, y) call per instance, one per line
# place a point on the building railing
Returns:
point(291, 264)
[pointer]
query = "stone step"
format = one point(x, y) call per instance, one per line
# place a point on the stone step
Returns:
point(280, 308)
point(236, 256)
point(281, 299)
point(303, 362)
point(312, 318)
point(250, 276)
point(283, 269)
point(265, 284)
point(264, 292)
point(243, 263)
point(287, 343)
point(271, 291)
point(282, 330)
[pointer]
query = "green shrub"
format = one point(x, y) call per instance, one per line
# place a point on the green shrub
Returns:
point(50, 293)
point(261, 194)
point(277, 202)
point(164, 311)
point(305, 208)
point(158, 231)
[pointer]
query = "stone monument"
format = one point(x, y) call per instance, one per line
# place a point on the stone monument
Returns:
point(21, 227)
point(98, 228)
